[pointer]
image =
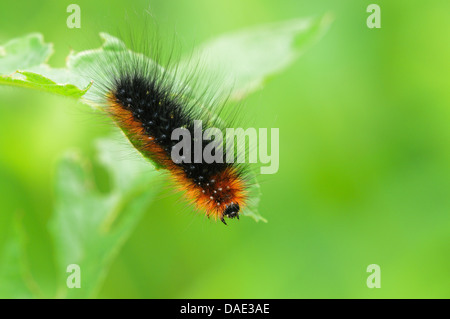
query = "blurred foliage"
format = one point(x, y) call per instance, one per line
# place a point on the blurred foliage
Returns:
point(90, 226)
point(364, 161)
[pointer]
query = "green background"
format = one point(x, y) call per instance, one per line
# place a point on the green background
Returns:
point(364, 157)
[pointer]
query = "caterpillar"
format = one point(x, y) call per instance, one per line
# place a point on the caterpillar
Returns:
point(148, 103)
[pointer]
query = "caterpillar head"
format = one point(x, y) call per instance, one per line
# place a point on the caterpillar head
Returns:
point(231, 211)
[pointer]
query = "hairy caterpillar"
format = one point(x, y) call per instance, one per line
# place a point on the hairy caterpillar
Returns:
point(148, 103)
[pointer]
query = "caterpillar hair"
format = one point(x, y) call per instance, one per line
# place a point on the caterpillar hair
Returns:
point(148, 101)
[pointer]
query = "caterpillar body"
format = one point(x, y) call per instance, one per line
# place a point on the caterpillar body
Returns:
point(148, 103)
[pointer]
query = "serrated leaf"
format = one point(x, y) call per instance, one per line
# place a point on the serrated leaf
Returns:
point(40, 82)
point(82, 64)
point(23, 53)
point(23, 63)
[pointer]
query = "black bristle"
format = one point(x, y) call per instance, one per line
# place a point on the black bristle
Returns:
point(160, 116)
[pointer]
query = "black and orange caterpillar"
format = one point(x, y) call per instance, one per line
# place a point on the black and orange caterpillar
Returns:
point(143, 100)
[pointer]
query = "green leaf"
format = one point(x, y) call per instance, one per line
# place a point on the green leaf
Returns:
point(23, 53)
point(252, 206)
point(26, 59)
point(90, 225)
point(40, 82)
point(242, 61)
point(83, 61)
point(82, 64)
